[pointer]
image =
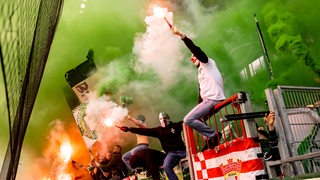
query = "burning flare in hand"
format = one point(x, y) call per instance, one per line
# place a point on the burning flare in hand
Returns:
point(158, 11)
point(161, 13)
point(108, 122)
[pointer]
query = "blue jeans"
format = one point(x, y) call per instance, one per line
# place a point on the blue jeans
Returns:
point(192, 119)
point(171, 160)
point(126, 156)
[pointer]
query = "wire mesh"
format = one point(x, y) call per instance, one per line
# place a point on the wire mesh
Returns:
point(26, 33)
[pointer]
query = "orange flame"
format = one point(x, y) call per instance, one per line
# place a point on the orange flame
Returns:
point(65, 151)
point(64, 177)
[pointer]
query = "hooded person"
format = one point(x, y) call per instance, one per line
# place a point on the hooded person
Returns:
point(169, 135)
point(142, 141)
point(164, 119)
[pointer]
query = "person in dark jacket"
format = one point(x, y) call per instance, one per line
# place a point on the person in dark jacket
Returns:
point(150, 159)
point(211, 91)
point(115, 165)
point(98, 173)
point(169, 135)
point(269, 141)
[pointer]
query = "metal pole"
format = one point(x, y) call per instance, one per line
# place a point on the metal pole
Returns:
point(265, 53)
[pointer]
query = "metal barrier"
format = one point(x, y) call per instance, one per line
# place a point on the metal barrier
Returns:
point(237, 154)
point(297, 125)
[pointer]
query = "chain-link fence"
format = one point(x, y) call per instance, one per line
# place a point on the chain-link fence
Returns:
point(26, 33)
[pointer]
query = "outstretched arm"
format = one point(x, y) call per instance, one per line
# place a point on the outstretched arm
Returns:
point(142, 131)
point(195, 50)
point(136, 122)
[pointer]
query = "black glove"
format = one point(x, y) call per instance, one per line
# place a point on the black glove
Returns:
point(125, 128)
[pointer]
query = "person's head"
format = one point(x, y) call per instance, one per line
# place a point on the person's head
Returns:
point(116, 149)
point(108, 155)
point(141, 118)
point(194, 60)
point(164, 119)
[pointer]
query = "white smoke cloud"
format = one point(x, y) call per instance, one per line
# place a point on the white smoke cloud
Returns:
point(158, 48)
point(103, 109)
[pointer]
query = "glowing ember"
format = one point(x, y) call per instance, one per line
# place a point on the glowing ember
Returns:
point(108, 122)
point(64, 177)
point(45, 178)
point(159, 12)
point(66, 150)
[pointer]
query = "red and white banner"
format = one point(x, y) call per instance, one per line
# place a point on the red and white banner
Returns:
point(238, 160)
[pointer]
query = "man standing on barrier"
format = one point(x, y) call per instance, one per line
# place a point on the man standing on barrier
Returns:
point(211, 91)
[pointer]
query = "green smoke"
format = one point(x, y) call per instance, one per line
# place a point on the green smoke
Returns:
point(284, 33)
point(107, 27)
point(225, 30)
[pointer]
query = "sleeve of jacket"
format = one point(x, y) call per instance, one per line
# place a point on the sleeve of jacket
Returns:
point(180, 125)
point(195, 50)
point(273, 142)
point(273, 139)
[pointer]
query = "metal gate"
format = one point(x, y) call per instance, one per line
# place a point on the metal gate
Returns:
point(297, 124)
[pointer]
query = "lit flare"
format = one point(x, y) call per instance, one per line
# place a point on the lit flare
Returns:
point(65, 151)
point(108, 122)
point(161, 13)
point(158, 11)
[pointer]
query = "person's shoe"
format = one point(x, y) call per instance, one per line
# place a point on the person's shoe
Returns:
point(212, 142)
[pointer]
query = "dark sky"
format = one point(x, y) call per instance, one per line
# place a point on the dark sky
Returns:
point(138, 56)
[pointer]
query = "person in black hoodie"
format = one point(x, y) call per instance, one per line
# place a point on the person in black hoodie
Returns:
point(169, 135)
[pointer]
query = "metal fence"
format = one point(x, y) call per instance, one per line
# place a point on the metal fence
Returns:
point(297, 124)
point(26, 33)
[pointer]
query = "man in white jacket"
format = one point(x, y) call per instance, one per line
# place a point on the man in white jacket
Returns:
point(211, 91)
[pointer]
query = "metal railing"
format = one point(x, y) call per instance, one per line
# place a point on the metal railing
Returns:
point(297, 125)
point(235, 132)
